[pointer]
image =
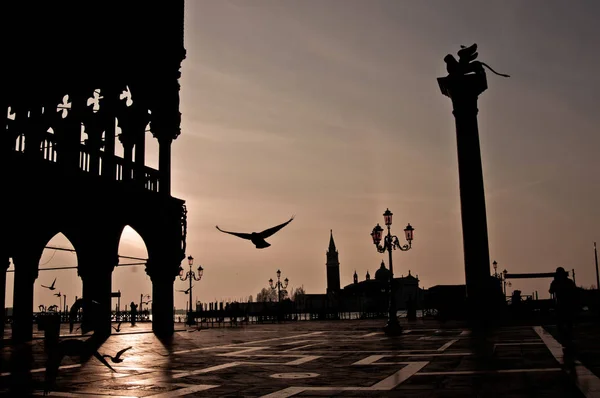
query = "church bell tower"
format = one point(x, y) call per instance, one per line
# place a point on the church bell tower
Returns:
point(333, 267)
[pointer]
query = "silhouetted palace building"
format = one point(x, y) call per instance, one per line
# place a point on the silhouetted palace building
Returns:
point(84, 86)
point(370, 296)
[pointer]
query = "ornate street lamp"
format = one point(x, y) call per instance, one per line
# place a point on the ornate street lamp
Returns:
point(495, 264)
point(143, 302)
point(191, 276)
point(504, 273)
point(278, 285)
point(391, 242)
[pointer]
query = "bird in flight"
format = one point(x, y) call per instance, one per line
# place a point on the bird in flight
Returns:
point(116, 358)
point(118, 328)
point(186, 291)
point(84, 349)
point(51, 287)
point(258, 238)
point(85, 305)
point(58, 294)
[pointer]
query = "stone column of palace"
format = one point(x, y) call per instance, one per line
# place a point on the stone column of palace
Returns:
point(4, 264)
point(110, 103)
point(70, 136)
point(165, 121)
point(95, 269)
point(464, 91)
point(26, 272)
point(165, 127)
point(162, 274)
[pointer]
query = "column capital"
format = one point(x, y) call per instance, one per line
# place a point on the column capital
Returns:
point(165, 122)
point(166, 128)
point(158, 269)
point(463, 86)
point(91, 265)
point(26, 265)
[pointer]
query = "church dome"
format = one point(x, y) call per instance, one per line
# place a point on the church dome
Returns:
point(382, 274)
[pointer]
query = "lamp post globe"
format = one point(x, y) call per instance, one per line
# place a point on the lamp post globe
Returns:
point(376, 234)
point(387, 217)
point(409, 233)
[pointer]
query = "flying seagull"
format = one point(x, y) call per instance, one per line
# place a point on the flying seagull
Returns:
point(51, 287)
point(186, 291)
point(118, 328)
point(87, 306)
point(69, 348)
point(258, 238)
point(116, 358)
point(84, 349)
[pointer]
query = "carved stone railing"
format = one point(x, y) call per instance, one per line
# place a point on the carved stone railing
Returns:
point(119, 163)
point(151, 180)
point(144, 175)
point(122, 173)
point(84, 160)
point(48, 148)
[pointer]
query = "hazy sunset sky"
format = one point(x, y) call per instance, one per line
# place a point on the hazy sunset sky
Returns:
point(330, 110)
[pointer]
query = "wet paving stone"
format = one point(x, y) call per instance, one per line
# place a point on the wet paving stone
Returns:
point(343, 358)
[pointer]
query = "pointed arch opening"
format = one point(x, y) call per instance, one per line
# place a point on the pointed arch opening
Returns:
point(58, 284)
point(130, 278)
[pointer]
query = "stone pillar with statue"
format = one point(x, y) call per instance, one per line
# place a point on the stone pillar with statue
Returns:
point(466, 80)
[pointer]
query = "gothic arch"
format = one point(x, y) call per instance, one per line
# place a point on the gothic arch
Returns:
point(69, 236)
point(36, 238)
point(144, 232)
point(68, 283)
point(132, 281)
point(124, 232)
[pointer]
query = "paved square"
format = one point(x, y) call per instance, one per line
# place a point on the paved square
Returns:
point(344, 358)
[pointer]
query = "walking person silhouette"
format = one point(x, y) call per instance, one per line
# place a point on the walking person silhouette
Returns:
point(565, 298)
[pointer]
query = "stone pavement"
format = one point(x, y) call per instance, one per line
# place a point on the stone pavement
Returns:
point(586, 338)
point(343, 358)
point(125, 327)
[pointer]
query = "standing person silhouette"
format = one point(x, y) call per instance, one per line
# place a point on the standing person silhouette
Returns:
point(565, 298)
point(133, 312)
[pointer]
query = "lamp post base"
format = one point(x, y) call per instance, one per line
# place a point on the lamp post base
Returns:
point(190, 319)
point(393, 328)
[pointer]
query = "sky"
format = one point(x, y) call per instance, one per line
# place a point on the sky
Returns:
point(330, 111)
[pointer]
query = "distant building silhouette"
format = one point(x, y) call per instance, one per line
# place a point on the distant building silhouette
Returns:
point(373, 293)
point(382, 274)
point(368, 296)
point(333, 267)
